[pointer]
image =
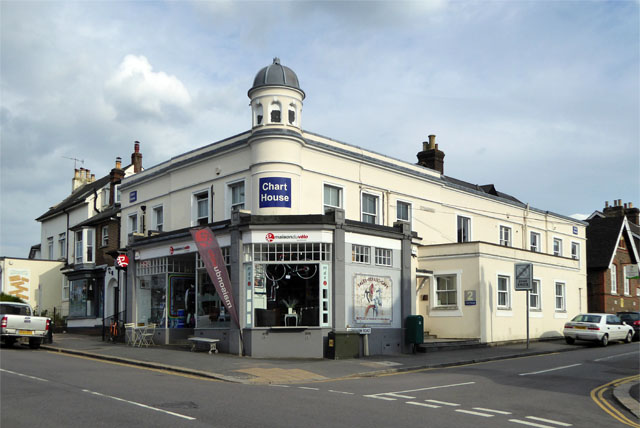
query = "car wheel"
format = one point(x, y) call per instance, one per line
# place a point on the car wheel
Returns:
point(629, 337)
point(605, 340)
point(569, 340)
point(9, 341)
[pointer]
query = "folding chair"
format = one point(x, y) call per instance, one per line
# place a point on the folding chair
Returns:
point(146, 337)
point(131, 333)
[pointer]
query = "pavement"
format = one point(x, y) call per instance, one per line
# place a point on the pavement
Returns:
point(250, 370)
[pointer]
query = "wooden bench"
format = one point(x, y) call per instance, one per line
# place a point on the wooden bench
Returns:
point(205, 341)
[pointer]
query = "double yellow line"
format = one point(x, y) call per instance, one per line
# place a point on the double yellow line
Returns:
point(597, 395)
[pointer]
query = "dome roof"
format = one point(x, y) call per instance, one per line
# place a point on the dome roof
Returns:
point(276, 74)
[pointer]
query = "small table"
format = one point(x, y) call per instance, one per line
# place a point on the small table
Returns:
point(295, 319)
point(206, 341)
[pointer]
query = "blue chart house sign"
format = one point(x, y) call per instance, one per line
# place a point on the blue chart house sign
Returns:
point(275, 192)
point(133, 196)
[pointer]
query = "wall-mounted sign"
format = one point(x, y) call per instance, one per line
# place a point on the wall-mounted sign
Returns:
point(133, 196)
point(575, 230)
point(372, 302)
point(275, 192)
point(122, 261)
point(469, 297)
point(173, 249)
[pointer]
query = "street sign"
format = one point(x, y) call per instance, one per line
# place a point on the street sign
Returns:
point(524, 276)
point(361, 330)
point(469, 297)
point(122, 261)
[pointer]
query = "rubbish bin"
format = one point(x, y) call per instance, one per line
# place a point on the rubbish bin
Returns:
point(414, 330)
point(343, 344)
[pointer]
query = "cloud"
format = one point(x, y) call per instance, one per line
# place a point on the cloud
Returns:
point(136, 91)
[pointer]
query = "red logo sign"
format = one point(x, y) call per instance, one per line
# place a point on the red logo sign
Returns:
point(122, 261)
point(270, 237)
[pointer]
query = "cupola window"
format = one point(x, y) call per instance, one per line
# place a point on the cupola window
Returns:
point(275, 113)
point(259, 114)
point(292, 114)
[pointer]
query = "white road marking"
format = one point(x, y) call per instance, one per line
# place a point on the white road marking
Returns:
point(430, 387)
point(531, 424)
point(306, 387)
point(24, 375)
point(500, 412)
point(393, 394)
point(139, 404)
point(550, 370)
point(615, 356)
point(380, 397)
point(281, 386)
point(550, 421)
point(415, 403)
point(485, 415)
point(341, 392)
point(444, 403)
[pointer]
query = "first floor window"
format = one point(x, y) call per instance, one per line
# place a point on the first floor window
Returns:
point(626, 270)
point(158, 218)
point(560, 296)
point(505, 236)
point(446, 290)
point(614, 279)
point(369, 208)
point(201, 205)
point(557, 247)
point(78, 246)
point(65, 289)
point(383, 256)
point(464, 229)
point(534, 295)
point(237, 195)
point(89, 245)
point(575, 251)
point(403, 211)
point(50, 247)
point(62, 244)
point(332, 197)
point(535, 242)
point(105, 236)
point(133, 223)
point(360, 254)
point(504, 292)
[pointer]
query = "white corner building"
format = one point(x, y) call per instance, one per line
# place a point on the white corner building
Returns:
point(322, 238)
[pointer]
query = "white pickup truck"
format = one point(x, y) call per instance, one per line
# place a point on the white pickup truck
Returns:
point(18, 323)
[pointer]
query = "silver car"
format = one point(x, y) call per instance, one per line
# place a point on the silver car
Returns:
point(597, 328)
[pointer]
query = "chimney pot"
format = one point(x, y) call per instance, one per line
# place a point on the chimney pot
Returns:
point(619, 202)
point(630, 204)
point(136, 147)
point(625, 205)
point(93, 178)
point(118, 163)
point(606, 204)
point(432, 141)
point(425, 146)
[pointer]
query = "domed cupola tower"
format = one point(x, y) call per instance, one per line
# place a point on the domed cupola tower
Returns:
point(276, 98)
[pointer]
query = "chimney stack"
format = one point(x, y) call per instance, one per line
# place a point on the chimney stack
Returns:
point(136, 158)
point(76, 181)
point(431, 156)
point(618, 209)
point(115, 177)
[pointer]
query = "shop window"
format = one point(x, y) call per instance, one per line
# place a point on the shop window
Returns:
point(557, 247)
point(534, 295)
point(289, 252)
point(446, 291)
point(560, 297)
point(504, 292)
point(383, 256)
point(84, 298)
point(534, 242)
point(464, 229)
point(369, 208)
point(505, 236)
point(332, 197)
point(360, 254)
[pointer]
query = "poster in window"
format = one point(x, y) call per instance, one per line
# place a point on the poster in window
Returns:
point(372, 299)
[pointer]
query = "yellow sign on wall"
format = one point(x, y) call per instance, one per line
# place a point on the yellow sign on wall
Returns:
point(19, 283)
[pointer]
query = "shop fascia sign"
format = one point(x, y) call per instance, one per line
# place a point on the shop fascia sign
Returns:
point(282, 236)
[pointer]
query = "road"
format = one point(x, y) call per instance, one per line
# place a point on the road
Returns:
point(40, 388)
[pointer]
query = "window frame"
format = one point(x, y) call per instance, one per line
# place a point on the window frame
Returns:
point(230, 187)
point(132, 220)
point(361, 257)
point(196, 197)
point(340, 190)
point(626, 287)
point(575, 255)
point(90, 246)
point(557, 251)
point(383, 256)
point(537, 248)
point(78, 254)
point(377, 214)
point(506, 293)
point(506, 242)
point(409, 206)
point(154, 213)
point(62, 244)
point(537, 286)
point(50, 248)
point(563, 296)
point(104, 235)
point(459, 229)
point(438, 292)
point(613, 272)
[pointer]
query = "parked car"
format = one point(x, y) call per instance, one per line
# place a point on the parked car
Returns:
point(597, 328)
point(632, 318)
point(18, 323)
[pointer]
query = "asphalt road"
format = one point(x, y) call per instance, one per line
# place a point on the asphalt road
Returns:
point(40, 388)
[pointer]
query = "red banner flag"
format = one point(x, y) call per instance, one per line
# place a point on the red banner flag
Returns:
point(211, 255)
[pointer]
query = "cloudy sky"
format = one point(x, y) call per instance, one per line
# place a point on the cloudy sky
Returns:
point(540, 98)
